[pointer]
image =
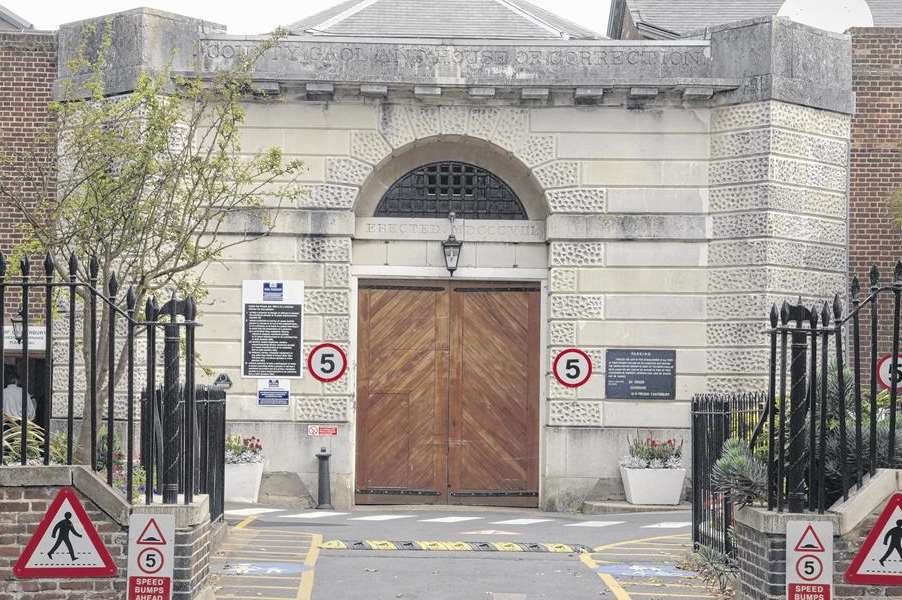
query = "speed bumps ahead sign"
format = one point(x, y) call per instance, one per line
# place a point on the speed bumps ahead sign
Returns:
point(151, 555)
point(809, 560)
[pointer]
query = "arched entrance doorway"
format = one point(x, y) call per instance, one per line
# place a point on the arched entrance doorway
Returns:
point(449, 369)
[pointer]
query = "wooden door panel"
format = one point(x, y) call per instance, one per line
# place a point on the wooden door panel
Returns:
point(402, 390)
point(494, 396)
point(448, 380)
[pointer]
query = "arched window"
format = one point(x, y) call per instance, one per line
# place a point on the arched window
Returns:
point(434, 190)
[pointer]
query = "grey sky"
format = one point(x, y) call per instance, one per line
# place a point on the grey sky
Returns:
point(252, 17)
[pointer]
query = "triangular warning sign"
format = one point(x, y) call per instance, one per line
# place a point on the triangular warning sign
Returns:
point(809, 542)
point(879, 561)
point(65, 544)
point(152, 535)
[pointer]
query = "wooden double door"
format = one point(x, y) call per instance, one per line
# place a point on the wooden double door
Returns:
point(448, 393)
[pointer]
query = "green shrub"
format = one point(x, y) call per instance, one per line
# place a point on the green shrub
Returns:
point(739, 474)
point(12, 440)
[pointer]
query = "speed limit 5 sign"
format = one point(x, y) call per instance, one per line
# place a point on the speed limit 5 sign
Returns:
point(572, 367)
point(809, 560)
point(327, 362)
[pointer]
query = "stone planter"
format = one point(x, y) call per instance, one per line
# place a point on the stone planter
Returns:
point(653, 486)
point(242, 482)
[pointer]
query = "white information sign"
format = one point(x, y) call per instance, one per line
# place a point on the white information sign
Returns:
point(272, 329)
point(151, 556)
point(273, 392)
point(36, 339)
point(809, 560)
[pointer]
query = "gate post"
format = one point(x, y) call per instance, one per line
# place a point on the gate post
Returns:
point(798, 411)
point(171, 396)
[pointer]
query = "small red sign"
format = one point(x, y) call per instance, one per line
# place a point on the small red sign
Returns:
point(65, 545)
point(322, 430)
point(808, 591)
point(149, 588)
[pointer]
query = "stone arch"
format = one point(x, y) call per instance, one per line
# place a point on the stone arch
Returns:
point(468, 150)
point(500, 136)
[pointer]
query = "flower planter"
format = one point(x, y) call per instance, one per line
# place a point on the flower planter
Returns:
point(653, 486)
point(242, 482)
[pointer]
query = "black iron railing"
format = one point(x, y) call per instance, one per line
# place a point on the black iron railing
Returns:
point(176, 435)
point(717, 418)
point(828, 426)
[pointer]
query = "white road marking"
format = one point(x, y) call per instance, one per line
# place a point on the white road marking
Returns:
point(668, 525)
point(381, 518)
point(520, 522)
point(488, 532)
point(594, 523)
point(450, 519)
point(251, 512)
point(314, 515)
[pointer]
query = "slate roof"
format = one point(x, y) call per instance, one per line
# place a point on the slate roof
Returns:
point(683, 16)
point(481, 19)
point(9, 21)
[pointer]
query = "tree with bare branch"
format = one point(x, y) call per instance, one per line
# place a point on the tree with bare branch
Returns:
point(144, 183)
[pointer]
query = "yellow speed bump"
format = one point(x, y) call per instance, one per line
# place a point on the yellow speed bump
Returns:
point(453, 546)
point(563, 548)
point(381, 545)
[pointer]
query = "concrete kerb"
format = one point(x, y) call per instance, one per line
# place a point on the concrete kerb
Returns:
point(774, 523)
point(846, 515)
point(862, 503)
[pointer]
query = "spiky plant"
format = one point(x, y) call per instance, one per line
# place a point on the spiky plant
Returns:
point(12, 440)
point(739, 474)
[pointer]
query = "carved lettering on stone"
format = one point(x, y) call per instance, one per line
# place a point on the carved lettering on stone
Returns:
point(485, 65)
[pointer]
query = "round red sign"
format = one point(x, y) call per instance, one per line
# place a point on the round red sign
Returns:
point(572, 367)
point(327, 362)
point(889, 372)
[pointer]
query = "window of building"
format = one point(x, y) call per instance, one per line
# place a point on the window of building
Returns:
point(436, 189)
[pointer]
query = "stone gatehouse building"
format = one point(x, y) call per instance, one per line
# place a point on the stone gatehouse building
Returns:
point(609, 195)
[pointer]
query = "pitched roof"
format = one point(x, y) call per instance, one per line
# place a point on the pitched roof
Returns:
point(484, 19)
point(9, 21)
point(683, 16)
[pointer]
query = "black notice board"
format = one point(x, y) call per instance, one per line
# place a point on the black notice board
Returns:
point(272, 340)
point(640, 374)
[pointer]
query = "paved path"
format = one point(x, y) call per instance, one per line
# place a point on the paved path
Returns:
point(438, 553)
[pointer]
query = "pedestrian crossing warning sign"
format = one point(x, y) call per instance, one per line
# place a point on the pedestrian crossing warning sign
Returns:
point(65, 544)
point(879, 561)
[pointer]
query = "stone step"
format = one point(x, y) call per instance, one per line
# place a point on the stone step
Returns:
point(600, 507)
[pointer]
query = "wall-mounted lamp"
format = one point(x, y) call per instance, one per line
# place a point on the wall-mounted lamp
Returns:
point(17, 327)
point(451, 247)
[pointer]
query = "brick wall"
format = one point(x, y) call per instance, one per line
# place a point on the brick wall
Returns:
point(25, 495)
point(761, 559)
point(27, 72)
point(21, 509)
point(876, 159)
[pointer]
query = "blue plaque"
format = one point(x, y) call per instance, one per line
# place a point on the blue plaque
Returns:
point(640, 375)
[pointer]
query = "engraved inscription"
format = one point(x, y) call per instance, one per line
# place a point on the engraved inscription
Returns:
point(483, 64)
point(437, 229)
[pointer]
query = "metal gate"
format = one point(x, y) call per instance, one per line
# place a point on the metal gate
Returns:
point(178, 440)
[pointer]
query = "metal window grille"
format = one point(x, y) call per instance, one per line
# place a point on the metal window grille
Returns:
point(436, 189)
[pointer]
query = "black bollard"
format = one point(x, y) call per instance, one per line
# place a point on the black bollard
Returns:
point(324, 493)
